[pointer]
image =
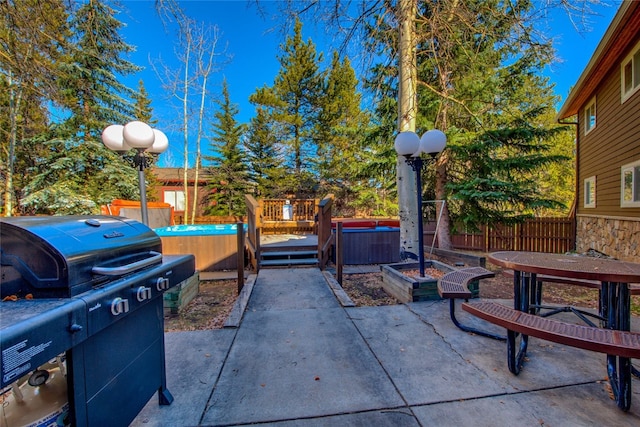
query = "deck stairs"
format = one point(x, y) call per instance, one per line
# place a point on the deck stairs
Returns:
point(292, 256)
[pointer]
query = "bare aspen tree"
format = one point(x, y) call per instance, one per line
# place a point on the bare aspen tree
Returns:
point(205, 63)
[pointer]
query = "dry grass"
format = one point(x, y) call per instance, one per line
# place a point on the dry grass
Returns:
point(209, 310)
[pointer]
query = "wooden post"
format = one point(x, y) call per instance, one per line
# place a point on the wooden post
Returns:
point(258, 250)
point(240, 234)
point(339, 258)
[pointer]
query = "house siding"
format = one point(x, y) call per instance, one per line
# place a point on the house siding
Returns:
point(614, 142)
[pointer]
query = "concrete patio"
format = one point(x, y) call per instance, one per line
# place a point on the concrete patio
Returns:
point(298, 358)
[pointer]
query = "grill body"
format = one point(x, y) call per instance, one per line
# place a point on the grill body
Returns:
point(97, 285)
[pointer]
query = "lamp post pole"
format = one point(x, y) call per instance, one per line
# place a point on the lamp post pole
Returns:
point(416, 165)
point(409, 145)
point(141, 137)
point(139, 161)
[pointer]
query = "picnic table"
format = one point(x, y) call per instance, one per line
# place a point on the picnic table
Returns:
point(613, 337)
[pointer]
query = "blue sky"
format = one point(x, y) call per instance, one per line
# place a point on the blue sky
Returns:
point(253, 44)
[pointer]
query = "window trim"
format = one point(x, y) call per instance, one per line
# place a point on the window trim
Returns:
point(634, 72)
point(175, 202)
point(591, 181)
point(635, 180)
point(591, 103)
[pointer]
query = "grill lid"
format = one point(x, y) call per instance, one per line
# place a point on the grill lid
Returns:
point(62, 256)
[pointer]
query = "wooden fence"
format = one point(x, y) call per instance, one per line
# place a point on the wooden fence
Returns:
point(553, 235)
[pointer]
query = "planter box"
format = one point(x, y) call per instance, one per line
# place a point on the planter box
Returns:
point(181, 294)
point(410, 289)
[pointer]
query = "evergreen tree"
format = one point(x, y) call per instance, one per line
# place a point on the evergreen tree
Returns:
point(292, 103)
point(229, 175)
point(93, 93)
point(144, 113)
point(339, 131)
point(265, 159)
point(142, 107)
point(32, 33)
point(496, 175)
point(477, 79)
point(76, 178)
point(76, 173)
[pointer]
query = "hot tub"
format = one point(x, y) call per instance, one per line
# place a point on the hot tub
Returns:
point(370, 245)
point(213, 245)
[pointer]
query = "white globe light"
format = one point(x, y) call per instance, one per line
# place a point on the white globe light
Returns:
point(433, 142)
point(161, 142)
point(113, 139)
point(407, 143)
point(138, 135)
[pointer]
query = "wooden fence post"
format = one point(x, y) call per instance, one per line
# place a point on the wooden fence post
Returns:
point(240, 234)
point(339, 257)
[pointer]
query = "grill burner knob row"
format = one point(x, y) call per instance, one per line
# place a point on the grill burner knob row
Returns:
point(119, 306)
point(143, 293)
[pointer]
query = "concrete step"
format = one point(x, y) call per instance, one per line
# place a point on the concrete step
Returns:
point(286, 262)
point(288, 254)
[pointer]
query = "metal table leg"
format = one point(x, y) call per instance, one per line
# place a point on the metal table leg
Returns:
point(618, 317)
point(517, 343)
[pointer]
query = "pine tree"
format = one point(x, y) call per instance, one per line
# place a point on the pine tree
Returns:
point(229, 182)
point(77, 173)
point(144, 113)
point(292, 102)
point(94, 95)
point(265, 159)
point(339, 132)
point(142, 107)
point(31, 35)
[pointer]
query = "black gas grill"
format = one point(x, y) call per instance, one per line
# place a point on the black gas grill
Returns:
point(89, 287)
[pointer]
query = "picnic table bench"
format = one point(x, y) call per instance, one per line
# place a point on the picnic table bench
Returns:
point(614, 337)
point(619, 346)
point(455, 285)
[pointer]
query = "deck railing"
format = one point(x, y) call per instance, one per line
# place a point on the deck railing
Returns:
point(253, 230)
point(296, 210)
point(325, 237)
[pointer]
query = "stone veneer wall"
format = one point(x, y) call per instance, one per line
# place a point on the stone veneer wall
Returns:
point(619, 238)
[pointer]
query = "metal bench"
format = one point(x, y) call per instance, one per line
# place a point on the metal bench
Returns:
point(615, 343)
point(455, 285)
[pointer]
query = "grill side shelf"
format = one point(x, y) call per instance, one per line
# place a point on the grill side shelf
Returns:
point(32, 332)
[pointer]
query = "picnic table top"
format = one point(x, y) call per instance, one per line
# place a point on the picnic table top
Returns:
point(571, 266)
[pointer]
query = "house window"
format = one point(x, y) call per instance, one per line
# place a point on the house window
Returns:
point(590, 192)
point(590, 116)
point(175, 199)
point(630, 73)
point(630, 185)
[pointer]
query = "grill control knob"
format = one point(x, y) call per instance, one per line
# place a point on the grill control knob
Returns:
point(143, 293)
point(119, 306)
point(75, 328)
point(162, 284)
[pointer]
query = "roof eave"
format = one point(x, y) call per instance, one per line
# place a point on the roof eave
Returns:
point(570, 106)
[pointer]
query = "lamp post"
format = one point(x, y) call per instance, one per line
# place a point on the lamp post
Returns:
point(409, 145)
point(141, 137)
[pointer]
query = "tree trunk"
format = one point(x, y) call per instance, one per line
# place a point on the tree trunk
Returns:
point(444, 225)
point(406, 179)
point(185, 129)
